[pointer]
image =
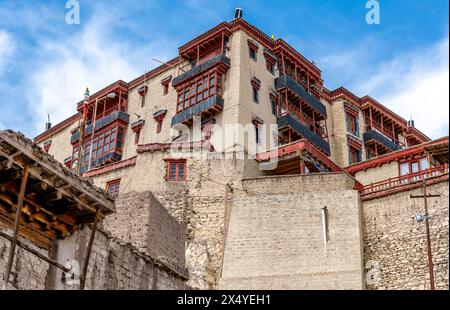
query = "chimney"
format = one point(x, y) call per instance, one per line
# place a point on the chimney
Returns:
point(238, 13)
point(48, 125)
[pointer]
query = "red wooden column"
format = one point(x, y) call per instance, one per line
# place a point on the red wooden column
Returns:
point(314, 121)
point(376, 150)
point(302, 166)
point(286, 101)
point(370, 118)
point(282, 63)
point(382, 126)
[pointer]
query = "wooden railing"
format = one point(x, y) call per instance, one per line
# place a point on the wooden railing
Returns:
point(388, 134)
point(404, 179)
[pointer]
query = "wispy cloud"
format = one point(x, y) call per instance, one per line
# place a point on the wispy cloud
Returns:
point(93, 57)
point(412, 83)
point(7, 45)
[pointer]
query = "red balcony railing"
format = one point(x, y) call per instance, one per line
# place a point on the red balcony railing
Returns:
point(305, 120)
point(404, 179)
point(385, 132)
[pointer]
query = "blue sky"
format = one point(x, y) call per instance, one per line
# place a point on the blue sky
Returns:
point(45, 64)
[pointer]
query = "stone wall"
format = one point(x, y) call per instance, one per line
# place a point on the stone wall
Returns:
point(114, 264)
point(28, 272)
point(395, 242)
point(275, 240)
point(141, 220)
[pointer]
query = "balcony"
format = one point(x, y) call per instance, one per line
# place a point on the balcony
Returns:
point(220, 61)
point(285, 81)
point(287, 120)
point(374, 135)
point(208, 107)
point(101, 123)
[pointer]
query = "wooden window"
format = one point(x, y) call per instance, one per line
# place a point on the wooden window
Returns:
point(253, 53)
point(203, 87)
point(270, 66)
point(137, 135)
point(352, 123)
point(413, 165)
point(354, 155)
point(108, 140)
point(113, 187)
point(255, 94)
point(165, 89)
point(176, 170)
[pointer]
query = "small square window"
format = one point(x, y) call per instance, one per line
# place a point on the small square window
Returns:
point(253, 53)
point(255, 95)
point(176, 170)
point(113, 187)
point(270, 66)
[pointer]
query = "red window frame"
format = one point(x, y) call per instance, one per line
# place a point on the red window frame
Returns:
point(270, 66)
point(354, 155)
point(410, 162)
point(113, 187)
point(199, 89)
point(165, 89)
point(108, 136)
point(176, 170)
point(351, 123)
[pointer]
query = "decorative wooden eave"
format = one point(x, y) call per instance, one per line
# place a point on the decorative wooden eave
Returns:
point(261, 37)
point(159, 115)
point(166, 80)
point(343, 93)
point(47, 145)
point(254, 45)
point(351, 109)
point(137, 126)
point(393, 156)
point(354, 142)
point(270, 57)
point(143, 90)
point(282, 46)
point(118, 86)
point(56, 201)
point(368, 102)
point(222, 28)
point(256, 83)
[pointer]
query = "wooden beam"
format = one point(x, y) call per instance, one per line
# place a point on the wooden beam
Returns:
point(12, 248)
point(88, 250)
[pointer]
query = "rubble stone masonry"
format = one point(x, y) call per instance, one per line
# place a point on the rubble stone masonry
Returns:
point(398, 244)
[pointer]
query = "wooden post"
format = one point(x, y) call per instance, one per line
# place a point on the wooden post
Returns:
point(286, 101)
point(370, 118)
point(314, 121)
point(282, 63)
point(88, 250)
point(382, 127)
point(222, 46)
point(302, 166)
point(198, 55)
point(12, 248)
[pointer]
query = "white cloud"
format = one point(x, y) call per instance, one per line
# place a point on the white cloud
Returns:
point(92, 57)
point(413, 83)
point(416, 84)
point(6, 49)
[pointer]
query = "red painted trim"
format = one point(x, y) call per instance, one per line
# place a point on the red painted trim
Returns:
point(393, 156)
point(343, 93)
point(405, 182)
point(113, 183)
point(240, 24)
point(116, 86)
point(111, 167)
point(281, 45)
point(253, 44)
point(153, 147)
point(224, 26)
point(178, 162)
point(57, 128)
